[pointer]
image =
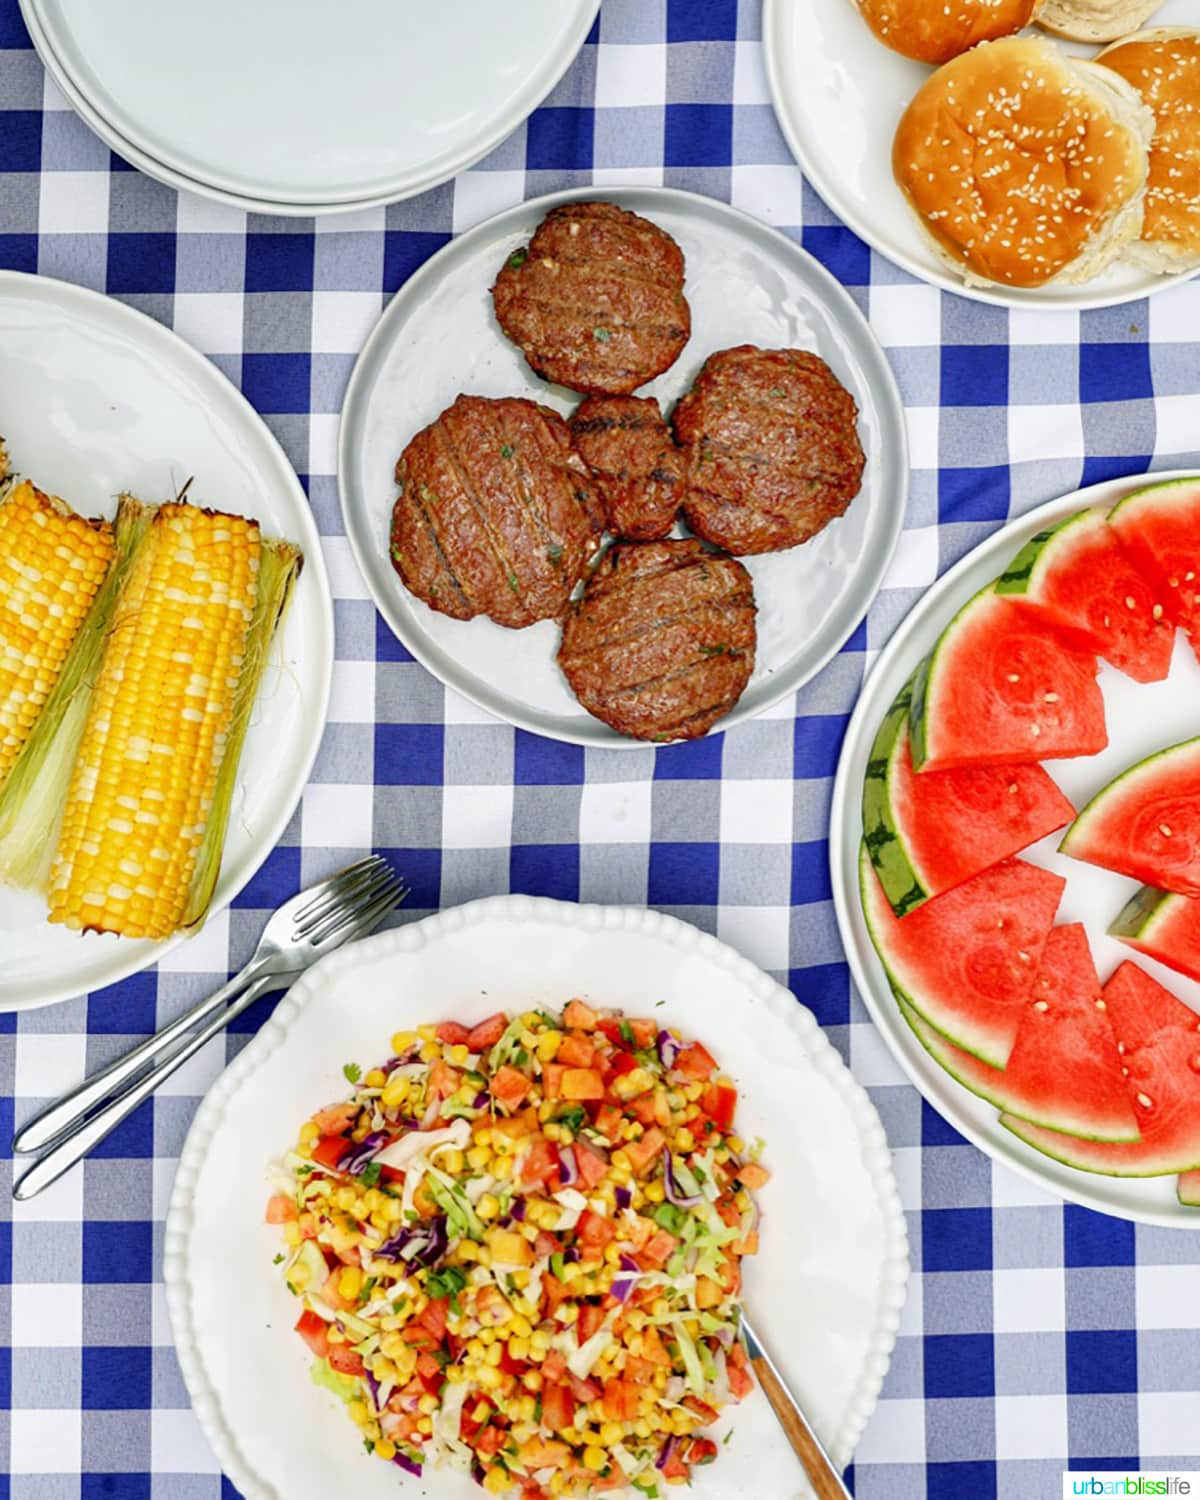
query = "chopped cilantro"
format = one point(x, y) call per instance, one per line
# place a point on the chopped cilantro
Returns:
point(572, 1117)
point(555, 555)
point(352, 1072)
point(364, 1294)
point(279, 1260)
point(728, 1435)
point(370, 1174)
point(714, 650)
point(667, 1216)
point(506, 451)
point(557, 1265)
point(368, 1445)
point(626, 1031)
point(447, 1282)
point(304, 1171)
point(520, 1057)
point(777, 391)
point(514, 583)
point(517, 259)
point(602, 334)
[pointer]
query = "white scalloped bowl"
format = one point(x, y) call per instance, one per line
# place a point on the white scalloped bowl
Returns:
point(826, 1289)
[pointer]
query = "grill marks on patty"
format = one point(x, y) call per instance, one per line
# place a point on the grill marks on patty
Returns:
point(630, 450)
point(596, 300)
point(661, 645)
point(497, 514)
point(772, 446)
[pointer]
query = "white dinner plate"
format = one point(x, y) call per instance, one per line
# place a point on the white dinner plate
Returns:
point(300, 106)
point(826, 1287)
point(1142, 718)
point(839, 94)
point(99, 398)
point(747, 284)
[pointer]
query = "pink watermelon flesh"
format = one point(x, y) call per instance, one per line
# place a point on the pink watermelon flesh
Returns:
point(1189, 1189)
point(1163, 926)
point(966, 961)
point(1003, 688)
point(1160, 526)
point(1064, 1071)
point(1089, 585)
point(1159, 1038)
point(956, 823)
point(1146, 823)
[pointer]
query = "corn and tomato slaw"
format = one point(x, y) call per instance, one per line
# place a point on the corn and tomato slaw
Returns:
point(518, 1247)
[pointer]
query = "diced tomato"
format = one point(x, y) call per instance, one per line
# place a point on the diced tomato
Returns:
point(579, 1017)
point(555, 1292)
point(314, 1331)
point(487, 1033)
point(428, 1369)
point(475, 1414)
point(719, 1102)
point(731, 1274)
point(708, 1293)
point(639, 1231)
point(533, 1491)
point(554, 1366)
point(700, 1450)
point(453, 1034)
point(590, 1319)
point(695, 1062)
point(576, 1052)
point(541, 1164)
point(331, 1294)
point(344, 1360)
point(546, 1243)
point(490, 1441)
point(552, 1079)
point(737, 1368)
point(390, 1174)
point(620, 1400)
point(434, 1318)
point(329, 1150)
point(512, 1366)
point(336, 1118)
point(644, 1109)
point(280, 1209)
point(659, 1248)
point(417, 1336)
point(654, 1351)
point(608, 1121)
point(622, 1063)
point(443, 1080)
point(643, 1153)
point(592, 1166)
point(543, 1453)
point(702, 1409)
point(584, 1390)
point(644, 1033)
point(612, 1030)
point(558, 1407)
point(752, 1176)
point(509, 1087)
point(674, 1468)
point(582, 1083)
point(594, 1232)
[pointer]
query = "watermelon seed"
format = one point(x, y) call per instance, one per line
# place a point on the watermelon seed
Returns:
point(1041, 1005)
point(1107, 623)
point(1164, 830)
point(1012, 791)
point(1051, 698)
point(1101, 1004)
point(1188, 576)
point(1125, 1071)
point(1035, 729)
point(1023, 956)
point(1157, 611)
point(1130, 602)
point(1014, 677)
point(1144, 1100)
point(1174, 582)
point(1194, 1063)
point(1121, 1047)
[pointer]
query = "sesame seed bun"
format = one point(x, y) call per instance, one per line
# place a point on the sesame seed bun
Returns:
point(1164, 66)
point(934, 31)
point(1025, 166)
point(1095, 20)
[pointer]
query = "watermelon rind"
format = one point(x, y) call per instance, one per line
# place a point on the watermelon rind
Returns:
point(1188, 1189)
point(1158, 923)
point(1087, 838)
point(901, 881)
point(1134, 520)
point(1037, 556)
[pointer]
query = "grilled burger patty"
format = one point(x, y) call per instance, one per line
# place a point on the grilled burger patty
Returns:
point(773, 449)
point(596, 300)
point(630, 450)
point(497, 514)
point(661, 645)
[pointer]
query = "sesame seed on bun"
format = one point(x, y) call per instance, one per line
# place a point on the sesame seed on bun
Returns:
point(934, 31)
point(1023, 165)
point(1164, 66)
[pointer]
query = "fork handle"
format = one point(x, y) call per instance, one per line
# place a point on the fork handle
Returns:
point(827, 1483)
point(74, 1147)
point(59, 1119)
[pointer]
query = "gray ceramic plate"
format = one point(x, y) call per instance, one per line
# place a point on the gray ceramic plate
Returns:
point(746, 284)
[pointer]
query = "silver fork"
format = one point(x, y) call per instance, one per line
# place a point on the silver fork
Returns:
point(349, 904)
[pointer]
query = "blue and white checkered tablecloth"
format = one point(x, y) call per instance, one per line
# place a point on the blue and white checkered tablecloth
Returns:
point(1035, 1336)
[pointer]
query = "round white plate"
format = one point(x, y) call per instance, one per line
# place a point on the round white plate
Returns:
point(839, 94)
point(828, 1284)
point(299, 106)
point(98, 399)
point(746, 284)
point(1142, 718)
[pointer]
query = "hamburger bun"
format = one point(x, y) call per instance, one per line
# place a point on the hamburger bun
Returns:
point(1095, 20)
point(1025, 166)
point(934, 31)
point(1164, 66)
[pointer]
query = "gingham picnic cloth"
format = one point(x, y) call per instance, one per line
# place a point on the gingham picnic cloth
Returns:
point(1036, 1337)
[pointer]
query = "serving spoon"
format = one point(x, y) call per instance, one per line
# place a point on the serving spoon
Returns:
point(827, 1483)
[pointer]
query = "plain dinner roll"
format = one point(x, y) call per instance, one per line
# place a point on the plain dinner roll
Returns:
point(934, 31)
point(1024, 165)
point(1164, 67)
point(1095, 20)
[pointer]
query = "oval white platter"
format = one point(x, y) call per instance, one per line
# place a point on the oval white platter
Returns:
point(827, 1286)
point(300, 107)
point(99, 398)
point(839, 94)
point(746, 284)
point(1142, 718)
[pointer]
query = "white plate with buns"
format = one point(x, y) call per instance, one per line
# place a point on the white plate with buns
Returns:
point(1059, 186)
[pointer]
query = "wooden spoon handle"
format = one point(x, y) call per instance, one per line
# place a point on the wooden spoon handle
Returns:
point(826, 1481)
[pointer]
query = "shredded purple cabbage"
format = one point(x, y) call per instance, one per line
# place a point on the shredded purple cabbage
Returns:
point(518, 1208)
point(664, 1458)
point(421, 1245)
point(623, 1284)
point(373, 1385)
point(412, 1054)
point(355, 1160)
point(481, 1098)
point(672, 1189)
point(568, 1166)
point(623, 1196)
point(668, 1049)
point(409, 1465)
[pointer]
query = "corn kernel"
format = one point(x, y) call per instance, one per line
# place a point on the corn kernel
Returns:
point(518, 1348)
point(475, 1349)
point(548, 1044)
point(309, 1132)
point(425, 1425)
point(375, 1079)
point(612, 1432)
point(385, 1450)
point(483, 1136)
point(478, 1158)
point(520, 1280)
point(495, 1354)
point(350, 1282)
point(684, 1140)
point(488, 1207)
point(451, 1161)
point(292, 1233)
point(488, 1335)
point(427, 1405)
point(359, 1414)
point(496, 1481)
point(402, 1041)
point(502, 1168)
point(595, 1459)
point(430, 1052)
point(540, 1339)
point(489, 1377)
point(531, 1380)
point(642, 1428)
point(654, 1192)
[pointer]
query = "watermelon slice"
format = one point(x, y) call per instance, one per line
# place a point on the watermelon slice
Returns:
point(926, 834)
point(1079, 573)
point(1003, 688)
point(1064, 1071)
point(1160, 525)
point(1146, 823)
point(1162, 926)
point(1189, 1189)
point(1160, 1039)
point(966, 961)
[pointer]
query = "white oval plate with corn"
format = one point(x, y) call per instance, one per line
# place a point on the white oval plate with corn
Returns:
point(825, 1288)
point(100, 400)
